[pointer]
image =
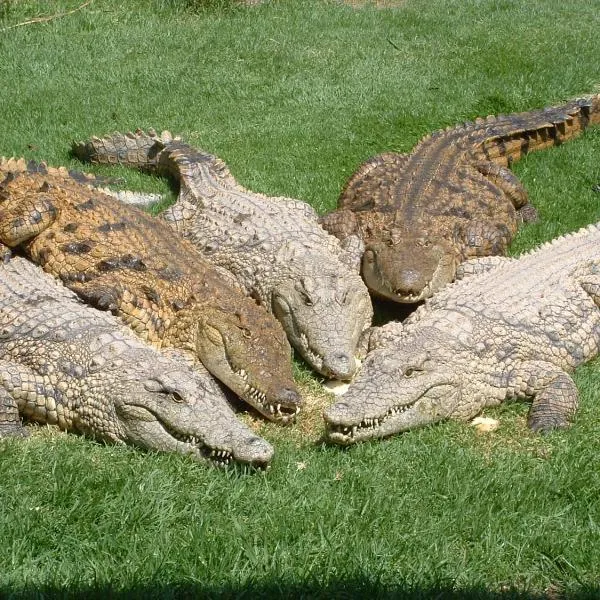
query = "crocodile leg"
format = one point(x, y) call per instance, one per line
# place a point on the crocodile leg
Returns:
point(483, 238)
point(10, 423)
point(365, 189)
point(555, 397)
point(591, 284)
point(509, 183)
point(341, 223)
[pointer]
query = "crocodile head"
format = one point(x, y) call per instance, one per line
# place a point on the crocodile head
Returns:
point(248, 351)
point(324, 317)
point(408, 269)
point(159, 402)
point(417, 382)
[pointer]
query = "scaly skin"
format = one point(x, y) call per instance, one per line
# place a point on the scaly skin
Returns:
point(452, 198)
point(116, 257)
point(274, 246)
point(511, 329)
point(67, 364)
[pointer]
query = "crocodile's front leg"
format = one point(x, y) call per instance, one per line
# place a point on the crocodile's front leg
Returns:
point(342, 223)
point(10, 423)
point(481, 239)
point(555, 396)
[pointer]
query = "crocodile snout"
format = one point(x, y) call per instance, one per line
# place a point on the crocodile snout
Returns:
point(340, 365)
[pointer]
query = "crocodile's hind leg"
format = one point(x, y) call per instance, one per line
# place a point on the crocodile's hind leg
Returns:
point(555, 396)
point(509, 183)
point(10, 423)
point(24, 216)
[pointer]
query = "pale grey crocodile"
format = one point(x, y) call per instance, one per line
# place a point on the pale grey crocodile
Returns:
point(512, 329)
point(274, 246)
point(70, 365)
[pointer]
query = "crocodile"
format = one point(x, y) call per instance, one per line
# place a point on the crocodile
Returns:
point(70, 365)
point(452, 198)
point(509, 329)
point(273, 245)
point(118, 258)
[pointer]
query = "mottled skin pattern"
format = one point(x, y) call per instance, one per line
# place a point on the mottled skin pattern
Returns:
point(274, 246)
point(119, 258)
point(452, 198)
point(69, 365)
point(511, 329)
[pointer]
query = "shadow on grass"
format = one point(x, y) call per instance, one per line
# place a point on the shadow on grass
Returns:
point(351, 588)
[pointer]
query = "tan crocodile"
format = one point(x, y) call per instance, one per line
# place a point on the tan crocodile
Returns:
point(67, 364)
point(119, 258)
point(452, 198)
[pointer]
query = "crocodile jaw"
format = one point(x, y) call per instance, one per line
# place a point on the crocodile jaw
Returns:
point(185, 411)
point(398, 388)
point(260, 375)
point(344, 427)
point(146, 429)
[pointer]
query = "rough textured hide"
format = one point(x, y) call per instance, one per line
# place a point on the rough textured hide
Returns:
point(452, 198)
point(66, 364)
point(275, 247)
point(121, 259)
point(511, 329)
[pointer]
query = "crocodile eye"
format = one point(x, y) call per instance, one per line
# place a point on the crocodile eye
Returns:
point(306, 299)
point(246, 332)
point(176, 397)
point(412, 371)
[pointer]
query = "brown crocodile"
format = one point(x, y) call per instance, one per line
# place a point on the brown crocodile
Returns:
point(452, 198)
point(118, 258)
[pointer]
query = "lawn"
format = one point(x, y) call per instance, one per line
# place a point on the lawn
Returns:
point(293, 95)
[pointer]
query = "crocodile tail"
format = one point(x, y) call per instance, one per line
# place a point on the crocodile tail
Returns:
point(140, 149)
point(162, 154)
point(507, 138)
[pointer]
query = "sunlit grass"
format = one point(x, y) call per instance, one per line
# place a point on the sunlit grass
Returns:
point(293, 95)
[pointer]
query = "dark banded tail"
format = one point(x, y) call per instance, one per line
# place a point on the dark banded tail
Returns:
point(507, 138)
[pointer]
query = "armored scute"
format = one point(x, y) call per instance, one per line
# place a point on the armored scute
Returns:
point(118, 258)
point(275, 247)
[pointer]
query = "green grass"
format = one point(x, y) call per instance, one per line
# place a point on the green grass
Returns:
point(293, 95)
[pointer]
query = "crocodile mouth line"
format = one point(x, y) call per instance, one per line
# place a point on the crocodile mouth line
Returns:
point(312, 356)
point(218, 457)
point(347, 433)
point(259, 400)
